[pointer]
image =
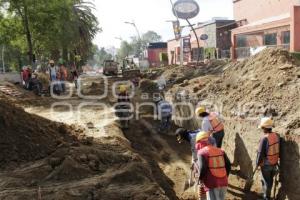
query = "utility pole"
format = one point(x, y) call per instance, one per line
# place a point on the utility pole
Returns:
point(181, 39)
point(3, 63)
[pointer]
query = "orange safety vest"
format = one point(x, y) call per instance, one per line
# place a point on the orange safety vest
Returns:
point(216, 162)
point(215, 123)
point(273, 148)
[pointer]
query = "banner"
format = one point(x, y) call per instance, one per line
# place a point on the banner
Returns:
point(177, 29)
point(186, 45)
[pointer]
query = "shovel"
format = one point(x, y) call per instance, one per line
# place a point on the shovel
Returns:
point(190, 182)
point(276, 182)
point(250, 181)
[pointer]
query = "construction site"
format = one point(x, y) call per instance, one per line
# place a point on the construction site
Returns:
point(64, 149)
point(150, 100)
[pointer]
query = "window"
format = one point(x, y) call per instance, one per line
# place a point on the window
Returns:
point(270, 39)
point(241, 41)
point(286, 37)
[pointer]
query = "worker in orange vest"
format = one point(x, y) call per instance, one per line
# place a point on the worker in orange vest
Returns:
point(214, 167)
point(212, 123)
point(268, 156)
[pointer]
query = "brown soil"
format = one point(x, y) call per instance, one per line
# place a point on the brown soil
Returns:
point(25, 137)
point(264, 85)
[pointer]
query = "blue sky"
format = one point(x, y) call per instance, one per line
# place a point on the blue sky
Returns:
point(148, 15)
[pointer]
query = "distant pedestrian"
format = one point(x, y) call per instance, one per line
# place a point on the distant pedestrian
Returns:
point(54, 78)
point(63, 77)
point(75, 76)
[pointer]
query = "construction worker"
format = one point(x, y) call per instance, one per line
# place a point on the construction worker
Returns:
point(164, 109)
point(212, 123)
point(123, 94)
point(214, 167)
point(268, 156)
point(190, 136)
point(123, 107)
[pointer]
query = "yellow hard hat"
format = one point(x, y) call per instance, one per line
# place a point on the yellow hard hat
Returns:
point(200, 110)
point(122, 88)
point(266, 122)
point(202, 136)
point(51, 61)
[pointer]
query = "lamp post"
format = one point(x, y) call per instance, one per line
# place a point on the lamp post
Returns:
point(187, 9)
point(139, 37)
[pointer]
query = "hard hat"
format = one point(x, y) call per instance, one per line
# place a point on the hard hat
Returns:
point(122, 88)
point(200, 110)
point(266, 122)
point(51, 61)
point(202, 136)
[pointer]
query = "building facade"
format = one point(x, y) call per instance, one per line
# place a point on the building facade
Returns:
point(174, 52)
point(218, 41)
point(156, 53)
point(266, 23)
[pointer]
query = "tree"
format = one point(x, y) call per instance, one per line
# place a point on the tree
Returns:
point(137, 46)
point(53, 28)
point(151, 36)
point(125, 50)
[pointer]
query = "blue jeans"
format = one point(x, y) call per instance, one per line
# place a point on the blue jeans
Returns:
point(268, 172)
point(165, 123)
point(219, 138)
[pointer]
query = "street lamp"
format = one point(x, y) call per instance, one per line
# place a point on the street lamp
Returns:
point(134, 25)
point(187, 9)
point(138, 34)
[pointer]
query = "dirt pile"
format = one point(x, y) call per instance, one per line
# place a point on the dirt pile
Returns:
point(266, 84)
point(26, 137)
point(179, 74)
point(41, 157)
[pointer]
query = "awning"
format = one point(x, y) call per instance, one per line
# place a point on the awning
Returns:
point(264, 24)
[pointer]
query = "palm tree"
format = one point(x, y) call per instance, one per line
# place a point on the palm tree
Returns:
point(86, 24)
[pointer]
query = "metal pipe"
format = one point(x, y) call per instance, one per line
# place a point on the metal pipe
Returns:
point(198, 44)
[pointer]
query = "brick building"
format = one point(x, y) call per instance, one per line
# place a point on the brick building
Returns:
point(156, 53)
point(266, 23)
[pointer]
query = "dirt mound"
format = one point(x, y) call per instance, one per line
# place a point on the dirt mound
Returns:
point(25, 137)
point(266, 84)
point(147, 85)
point(180, 74)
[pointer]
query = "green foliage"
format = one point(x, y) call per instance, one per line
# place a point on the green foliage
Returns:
point(49, 29)
point(137, 46)
point(100, 55)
